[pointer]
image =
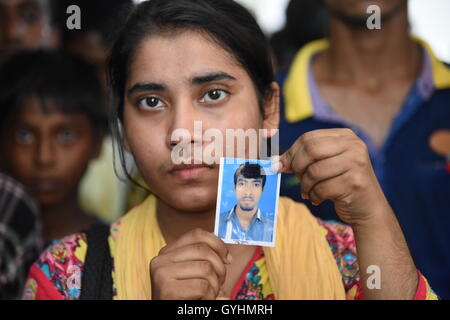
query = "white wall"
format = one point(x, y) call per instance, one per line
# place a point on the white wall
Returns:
point(269, 13)
point(430, 20)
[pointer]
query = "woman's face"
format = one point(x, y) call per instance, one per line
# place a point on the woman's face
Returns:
point(173, 81)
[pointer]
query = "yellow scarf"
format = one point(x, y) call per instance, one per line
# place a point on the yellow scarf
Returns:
point(301, 265)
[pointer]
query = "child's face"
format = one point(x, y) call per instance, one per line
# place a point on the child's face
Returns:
point(167, 89)
point(49, 152)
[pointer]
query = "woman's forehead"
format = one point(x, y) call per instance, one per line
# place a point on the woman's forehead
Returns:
point(180, 57)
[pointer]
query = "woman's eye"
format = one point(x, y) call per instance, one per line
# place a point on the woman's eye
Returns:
point(24, 136)
point(213, 96)
point(66, 136)
point(150, 103)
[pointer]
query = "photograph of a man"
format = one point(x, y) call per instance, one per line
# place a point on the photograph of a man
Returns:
point(245, 221)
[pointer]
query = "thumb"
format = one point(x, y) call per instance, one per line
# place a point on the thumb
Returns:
point(282, 164)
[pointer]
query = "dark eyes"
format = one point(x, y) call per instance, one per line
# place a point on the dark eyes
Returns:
point(211, 97)
point(66, 136)
point(150, 103)
point(24, 136)
point(255, 184)
point(31, 14)
point(27, 137)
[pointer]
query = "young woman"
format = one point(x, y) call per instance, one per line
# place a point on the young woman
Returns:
point(180, 61)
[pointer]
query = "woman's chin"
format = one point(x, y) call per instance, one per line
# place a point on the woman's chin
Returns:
point(192, 200)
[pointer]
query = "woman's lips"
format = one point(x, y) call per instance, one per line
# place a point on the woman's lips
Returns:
point(189, 172)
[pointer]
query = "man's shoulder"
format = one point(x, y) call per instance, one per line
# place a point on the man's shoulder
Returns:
point(267, 219)
point(224, 214)
point(223, 217)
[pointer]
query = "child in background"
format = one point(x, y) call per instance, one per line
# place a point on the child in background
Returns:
point(52, 125)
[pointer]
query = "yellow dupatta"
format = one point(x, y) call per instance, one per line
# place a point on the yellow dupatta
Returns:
point(301, 265)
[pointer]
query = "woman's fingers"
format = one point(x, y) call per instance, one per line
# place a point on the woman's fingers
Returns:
point(188, 289)
point(324, 170)
point(307, 151)
point(334, 165)
point(328, 189)
point(189, 270)
point(200, 236)
point(197, 258)
point(197, 252)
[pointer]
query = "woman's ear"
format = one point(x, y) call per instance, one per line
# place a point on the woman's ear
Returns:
point(272, 111)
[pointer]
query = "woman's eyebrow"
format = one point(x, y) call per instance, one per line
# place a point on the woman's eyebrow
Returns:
point(145, 86)
point(210, 77)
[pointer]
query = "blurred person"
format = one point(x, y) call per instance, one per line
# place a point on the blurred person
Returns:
point(392, 91)
point(306, 20)
point(101, 192)
point(100, 20)
point(20, 236)
point(26, 24)
point(53, 126)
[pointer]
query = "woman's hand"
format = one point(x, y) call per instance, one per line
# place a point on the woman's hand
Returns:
point(191, 268)
point(334, 165)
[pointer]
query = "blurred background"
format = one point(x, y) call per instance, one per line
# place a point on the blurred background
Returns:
point(429, 20)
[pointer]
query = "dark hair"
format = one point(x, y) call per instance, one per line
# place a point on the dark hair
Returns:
point(102, 16)
point(306, 21)
point(66, 80)
point(225, 21)
point(250, 171)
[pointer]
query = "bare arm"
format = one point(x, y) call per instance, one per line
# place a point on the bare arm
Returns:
point(380, 243)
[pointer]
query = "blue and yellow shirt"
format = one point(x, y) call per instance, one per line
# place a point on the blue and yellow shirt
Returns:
point(412, 175)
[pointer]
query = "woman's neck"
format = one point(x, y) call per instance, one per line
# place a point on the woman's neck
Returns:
point(371, 56)
point(186, 221)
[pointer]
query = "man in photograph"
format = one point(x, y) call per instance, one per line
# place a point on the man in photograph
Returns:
point(245, 221)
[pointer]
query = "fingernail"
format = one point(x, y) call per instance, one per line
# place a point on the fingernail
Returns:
point(229, 258)
point(276, 164)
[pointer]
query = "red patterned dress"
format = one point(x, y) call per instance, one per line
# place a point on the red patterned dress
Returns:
point(57, 274)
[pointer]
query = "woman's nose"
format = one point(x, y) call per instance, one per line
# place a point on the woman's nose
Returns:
point(185, 124)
